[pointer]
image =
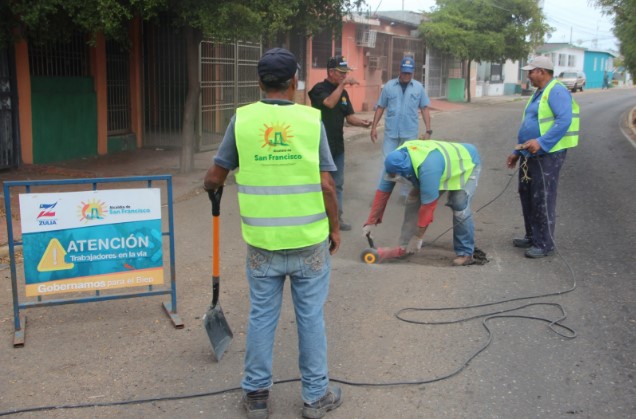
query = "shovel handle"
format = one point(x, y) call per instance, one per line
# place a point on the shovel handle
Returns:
point(215, 198)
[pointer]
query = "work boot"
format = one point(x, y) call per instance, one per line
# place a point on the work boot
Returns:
point(331, 400)
point(522, 243)
point(344, 226)
point(255, 403)
point(463, 260)
point(536, 253)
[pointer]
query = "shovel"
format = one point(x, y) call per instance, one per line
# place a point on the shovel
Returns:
point(214, 320)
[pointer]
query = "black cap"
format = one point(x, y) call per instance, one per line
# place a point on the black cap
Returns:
point(339, 63)
point(277, 65)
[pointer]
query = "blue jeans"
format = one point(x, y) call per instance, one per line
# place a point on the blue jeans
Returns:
point(309, 269)
point(463, 224)
point(338, 178)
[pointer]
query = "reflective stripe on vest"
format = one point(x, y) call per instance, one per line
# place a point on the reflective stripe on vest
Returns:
point(546, 119)
point(279, 190)
point(458, 163)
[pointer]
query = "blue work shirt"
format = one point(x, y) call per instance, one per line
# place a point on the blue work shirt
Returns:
point(227, 155)
point(402, 108)
point(429, 174)
point(560, 101)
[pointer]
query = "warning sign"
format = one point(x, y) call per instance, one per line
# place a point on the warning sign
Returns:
point(91, 240)
point(53, 258)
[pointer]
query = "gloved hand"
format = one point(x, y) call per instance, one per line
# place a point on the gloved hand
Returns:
point(366, 230)
point(414, 246)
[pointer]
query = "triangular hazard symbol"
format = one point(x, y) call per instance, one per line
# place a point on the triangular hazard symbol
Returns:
point(53, 258)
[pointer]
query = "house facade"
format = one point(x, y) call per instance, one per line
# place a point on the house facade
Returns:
point(374, 47)
point(497, 79)
point(62, 102)
point(598, 63)
point(564, 56)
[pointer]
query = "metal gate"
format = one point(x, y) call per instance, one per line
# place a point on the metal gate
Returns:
point(436, 77)
point(229, 79)
point(165, 83)
point(8, 112)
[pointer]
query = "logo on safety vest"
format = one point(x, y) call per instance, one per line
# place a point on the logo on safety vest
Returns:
point(276, 135)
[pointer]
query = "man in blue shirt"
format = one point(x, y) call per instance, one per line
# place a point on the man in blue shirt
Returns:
point(447, 167)
point(403, 98)
point(549, 127)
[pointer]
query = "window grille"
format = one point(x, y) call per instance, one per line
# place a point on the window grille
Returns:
point(562, 58)
point(321, 49)
point(68, 59)
point(571, 60)
point(118, 88)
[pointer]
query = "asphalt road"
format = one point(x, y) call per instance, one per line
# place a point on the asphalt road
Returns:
point(127, 350)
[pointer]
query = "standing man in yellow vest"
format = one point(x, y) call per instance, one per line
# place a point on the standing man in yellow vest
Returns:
point(289, 219)
point(550, 126)
point(431, 167)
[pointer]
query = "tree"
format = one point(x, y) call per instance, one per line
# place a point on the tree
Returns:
point(483, 30)
point(227, 20)
point(246, 20)
point(624, 14)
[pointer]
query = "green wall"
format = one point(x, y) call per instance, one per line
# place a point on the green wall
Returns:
point(64, 113)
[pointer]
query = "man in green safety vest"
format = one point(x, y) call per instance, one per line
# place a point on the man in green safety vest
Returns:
point(550, 126)
point(431, 167)
point(289, 220)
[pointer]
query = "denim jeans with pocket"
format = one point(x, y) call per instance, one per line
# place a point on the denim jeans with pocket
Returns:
point(309, 270)
point(463, 224)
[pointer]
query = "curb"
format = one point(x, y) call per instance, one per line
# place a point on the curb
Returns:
point(631, 118)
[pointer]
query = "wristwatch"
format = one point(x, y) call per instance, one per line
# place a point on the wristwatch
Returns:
point(429, 132)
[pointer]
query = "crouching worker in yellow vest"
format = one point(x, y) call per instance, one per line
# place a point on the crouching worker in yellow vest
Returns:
point(289, 219)
point(432, 167)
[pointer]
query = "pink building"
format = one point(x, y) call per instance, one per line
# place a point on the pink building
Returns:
point(374, 47)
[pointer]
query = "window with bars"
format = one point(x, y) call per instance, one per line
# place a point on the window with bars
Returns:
point(562, 58)
point(118, 88)
point(571, 60)
point(321, 49)
point(68, 59)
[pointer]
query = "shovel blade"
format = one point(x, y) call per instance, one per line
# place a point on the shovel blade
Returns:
point(218, 331)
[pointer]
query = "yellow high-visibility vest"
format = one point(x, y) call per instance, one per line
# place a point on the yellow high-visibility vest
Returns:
point(546, 120)
point(279, 190)
point(459, 164)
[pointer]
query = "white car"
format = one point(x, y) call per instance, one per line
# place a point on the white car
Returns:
point(573, 80)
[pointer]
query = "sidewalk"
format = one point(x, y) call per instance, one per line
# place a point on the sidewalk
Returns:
point(147, 162)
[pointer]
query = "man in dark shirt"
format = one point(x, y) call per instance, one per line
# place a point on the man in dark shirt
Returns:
point(333, 101)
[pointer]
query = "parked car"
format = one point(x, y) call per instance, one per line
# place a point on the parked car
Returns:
point(573, 80)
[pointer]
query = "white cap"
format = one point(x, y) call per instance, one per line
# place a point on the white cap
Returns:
point(539, 62)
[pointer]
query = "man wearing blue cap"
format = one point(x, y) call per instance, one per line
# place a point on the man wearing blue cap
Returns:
point(431, 167)
point(289, 220)
point(404, 99)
